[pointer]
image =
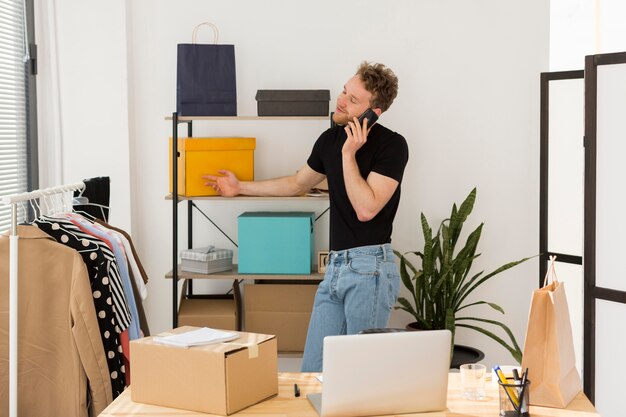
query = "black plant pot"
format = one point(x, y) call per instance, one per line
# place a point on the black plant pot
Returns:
point(465, 354)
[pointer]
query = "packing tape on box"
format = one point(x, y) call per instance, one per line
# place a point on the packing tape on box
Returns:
point(253, 348)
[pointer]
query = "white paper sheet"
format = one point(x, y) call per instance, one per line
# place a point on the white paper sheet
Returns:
point(203, 336)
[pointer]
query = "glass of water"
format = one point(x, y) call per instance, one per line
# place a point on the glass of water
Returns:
point(473, 381)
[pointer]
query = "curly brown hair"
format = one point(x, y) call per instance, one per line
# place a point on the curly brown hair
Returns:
point(381, 82)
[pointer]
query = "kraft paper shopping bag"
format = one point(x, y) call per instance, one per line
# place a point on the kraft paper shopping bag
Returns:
point(549, 347)
point(206, 78)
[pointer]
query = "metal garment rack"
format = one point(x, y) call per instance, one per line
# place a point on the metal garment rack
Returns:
point(13, 200)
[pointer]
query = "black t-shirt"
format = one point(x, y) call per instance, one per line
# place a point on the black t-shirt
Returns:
point(386, 153)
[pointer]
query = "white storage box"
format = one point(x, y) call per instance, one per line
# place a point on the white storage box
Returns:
point(206, 260)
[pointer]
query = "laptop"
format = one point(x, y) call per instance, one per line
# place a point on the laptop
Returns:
point(384, 373)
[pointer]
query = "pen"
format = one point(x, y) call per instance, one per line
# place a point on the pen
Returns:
point(522, 403)
point(509, 391)
point(515, 374)
point(296, 390)
point(517, 379)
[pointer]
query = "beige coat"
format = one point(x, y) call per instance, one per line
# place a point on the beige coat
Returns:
point(62, 367)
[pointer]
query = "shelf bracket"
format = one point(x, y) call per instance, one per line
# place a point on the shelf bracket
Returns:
point(213, 223)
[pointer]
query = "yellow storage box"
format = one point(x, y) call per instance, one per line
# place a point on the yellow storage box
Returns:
point(202, 156)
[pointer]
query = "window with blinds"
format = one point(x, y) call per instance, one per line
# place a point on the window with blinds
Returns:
point(16, 102)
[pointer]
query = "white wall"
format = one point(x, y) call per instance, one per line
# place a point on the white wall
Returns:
point(468, 107)
point(83, 98)
point(584, 27)
point(572, 33)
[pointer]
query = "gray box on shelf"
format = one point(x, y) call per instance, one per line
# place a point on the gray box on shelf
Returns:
point(206, 260)
point(292, 102)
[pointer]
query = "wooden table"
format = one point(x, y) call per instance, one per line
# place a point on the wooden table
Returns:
point(285, 404)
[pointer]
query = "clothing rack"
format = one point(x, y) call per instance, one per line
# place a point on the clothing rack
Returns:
point(13, 200)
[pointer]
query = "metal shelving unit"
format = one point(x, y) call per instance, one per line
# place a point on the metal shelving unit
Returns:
point(175, 273)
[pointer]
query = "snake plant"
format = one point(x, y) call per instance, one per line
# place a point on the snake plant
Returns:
point(440, 287)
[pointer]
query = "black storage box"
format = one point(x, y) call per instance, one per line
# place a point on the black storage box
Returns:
point(292, 102)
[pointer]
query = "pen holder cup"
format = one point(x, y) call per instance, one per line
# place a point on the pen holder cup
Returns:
point(514, 398)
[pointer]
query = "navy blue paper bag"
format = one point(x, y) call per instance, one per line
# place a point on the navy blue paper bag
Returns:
point(205, 78)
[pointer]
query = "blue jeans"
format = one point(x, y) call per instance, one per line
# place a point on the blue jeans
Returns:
point(359, 290)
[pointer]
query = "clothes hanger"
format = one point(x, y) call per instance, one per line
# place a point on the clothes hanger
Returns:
point(37, 210)
point(80, 200)
point(56, 201)
point(44, 202)
point(102, 207)
point(88, 216)
point(56, 208)
point(23, 206)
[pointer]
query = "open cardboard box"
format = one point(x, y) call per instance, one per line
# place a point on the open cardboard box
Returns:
point(220, 378)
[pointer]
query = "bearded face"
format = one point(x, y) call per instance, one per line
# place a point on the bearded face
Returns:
point(352, 102)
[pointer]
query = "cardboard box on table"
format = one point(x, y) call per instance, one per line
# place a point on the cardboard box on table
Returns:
point(202, 156)
point(280, 309)
point(276, 242)
point(220, 378)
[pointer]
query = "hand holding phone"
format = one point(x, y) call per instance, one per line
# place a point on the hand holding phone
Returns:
point(357, 134)
point(370, 116)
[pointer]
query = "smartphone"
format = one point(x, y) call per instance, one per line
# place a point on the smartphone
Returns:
point(370, 116)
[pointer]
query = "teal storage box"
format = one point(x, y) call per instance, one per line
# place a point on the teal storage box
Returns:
point(276, 242)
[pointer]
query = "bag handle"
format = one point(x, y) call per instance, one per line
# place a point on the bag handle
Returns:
point(551, 272)
point(216, 32)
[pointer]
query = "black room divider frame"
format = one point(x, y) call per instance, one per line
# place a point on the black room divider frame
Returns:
point(591, 291)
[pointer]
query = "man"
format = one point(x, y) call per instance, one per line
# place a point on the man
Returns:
point(363, 164)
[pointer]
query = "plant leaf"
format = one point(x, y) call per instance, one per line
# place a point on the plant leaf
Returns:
point(465, 258)
point(406, 306)
point(458, 218)
point(404, 274)
point(492, 305)
point(492, 274)
point(516, 353)
point(496, 323)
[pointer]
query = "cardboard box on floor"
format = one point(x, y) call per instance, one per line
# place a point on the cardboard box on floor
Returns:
point(280, 309)
point(216, 313)
point(221, 378)
point(213, 313)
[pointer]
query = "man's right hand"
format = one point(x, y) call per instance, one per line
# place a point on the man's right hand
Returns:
point(226, 184)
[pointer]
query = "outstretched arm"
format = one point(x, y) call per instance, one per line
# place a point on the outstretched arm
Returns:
point(227, 184)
